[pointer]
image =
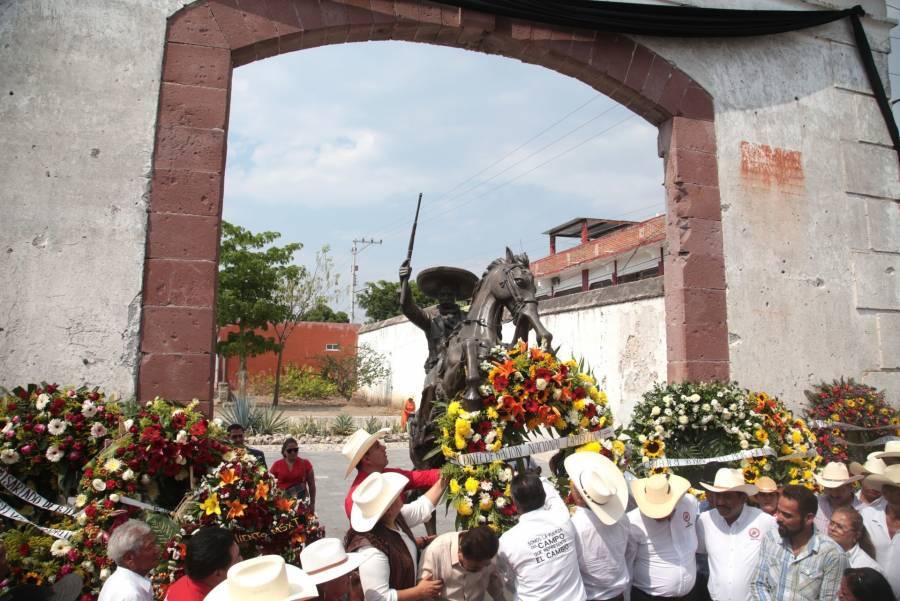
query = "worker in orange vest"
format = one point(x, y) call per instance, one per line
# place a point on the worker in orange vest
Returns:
point(408, 409)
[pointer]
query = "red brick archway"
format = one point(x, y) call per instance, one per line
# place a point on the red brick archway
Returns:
point(206, 40)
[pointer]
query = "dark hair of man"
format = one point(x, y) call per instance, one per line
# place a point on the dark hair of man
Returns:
point(234, 427)
point(479, 544)
point(527, 492)
point(208, 550)
point(866, 583)
point(806, 500)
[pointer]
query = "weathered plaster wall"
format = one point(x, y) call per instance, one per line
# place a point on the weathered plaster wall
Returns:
point(810, 213)
point(620, 333)
point(809, 194)
point(80, 80)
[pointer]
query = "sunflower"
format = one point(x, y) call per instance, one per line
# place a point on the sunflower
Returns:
point(761, 435)
point(750, 474)
point(653, 448)
point(660, 469)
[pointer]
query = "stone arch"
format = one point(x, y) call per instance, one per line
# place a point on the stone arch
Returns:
point(207, 39)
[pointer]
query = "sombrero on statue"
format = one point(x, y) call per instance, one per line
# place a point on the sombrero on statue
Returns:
point(461, 281)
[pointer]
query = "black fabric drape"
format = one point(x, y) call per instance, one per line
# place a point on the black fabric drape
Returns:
point(688, 22)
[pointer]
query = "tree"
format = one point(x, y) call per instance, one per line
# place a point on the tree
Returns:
point(299, 293)
point(324, 313)
point(350, 372)
point(381, 299)
point(251, 270)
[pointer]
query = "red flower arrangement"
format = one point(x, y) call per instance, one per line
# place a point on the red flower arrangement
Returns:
point(849, 402)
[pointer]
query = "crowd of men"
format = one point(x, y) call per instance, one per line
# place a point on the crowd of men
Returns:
point(643, 539)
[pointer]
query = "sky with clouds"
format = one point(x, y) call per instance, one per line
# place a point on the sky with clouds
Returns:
point(335, 143)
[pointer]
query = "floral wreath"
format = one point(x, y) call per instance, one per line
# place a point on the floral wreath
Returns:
point(243, 497)
point(849, 402)
point(712, 419)
point(524, 388)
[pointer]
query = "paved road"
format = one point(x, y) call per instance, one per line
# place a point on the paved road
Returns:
point(331, 488)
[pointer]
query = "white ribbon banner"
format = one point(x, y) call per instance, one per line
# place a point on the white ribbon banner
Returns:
point(8, 512)
point(142, 505)
point(819, 424)
point(748, 454)
point(872, 443)
point(18, 488)
point(533, 448)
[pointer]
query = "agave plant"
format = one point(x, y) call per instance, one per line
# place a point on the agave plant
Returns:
point(240, 412)
point(372, 425)
point(342, 425)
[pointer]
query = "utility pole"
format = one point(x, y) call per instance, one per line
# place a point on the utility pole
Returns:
point(355, 251)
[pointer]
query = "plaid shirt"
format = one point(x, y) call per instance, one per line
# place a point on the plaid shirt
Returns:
point(814, 574)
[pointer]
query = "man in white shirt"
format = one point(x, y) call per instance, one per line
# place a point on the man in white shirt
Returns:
point(883, 524)
point(601, 496)
point(663, 539)
point(134, 548)
point(868, 496)
point(538, 557)
point(837, 483)
point(730, 535)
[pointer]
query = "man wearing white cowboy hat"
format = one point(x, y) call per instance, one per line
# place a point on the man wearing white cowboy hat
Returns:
point(835, 478)
point(266, 577)
point(663, 539)
point(365, 453)
point(869, 496)
point(891, 453)
point(381, 525)
point(883, 524)
point(330, 566)
point(538, 557)
point(601, 496)
point(731, 534)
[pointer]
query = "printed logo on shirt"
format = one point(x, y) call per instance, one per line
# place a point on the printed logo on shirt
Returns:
point(754, 533)
point(686, 516)
point(547, 546)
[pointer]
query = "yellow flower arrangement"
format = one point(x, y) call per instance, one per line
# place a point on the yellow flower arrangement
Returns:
point(211, 505)
point(471, 486)
point(653, 448)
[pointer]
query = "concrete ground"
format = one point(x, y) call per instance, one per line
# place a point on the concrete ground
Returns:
point(331, 487)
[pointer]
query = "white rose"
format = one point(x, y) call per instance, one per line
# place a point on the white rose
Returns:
point(80, 500)
point(694, 398)
point(500, 502)
point(540, 383)
point(87, 566)
point(128, 423)
point(659, 429)
point(104, 573)
point(726, 414)
point(114, 498)
point(744, 444)
point(181, 437)
point(655, 411)
point(98, 484)
point(81, 519)
point(557, 392)
point(668, 411)
point(683, 420)
point(42, 401)
point(705, 407)
point(128, 475)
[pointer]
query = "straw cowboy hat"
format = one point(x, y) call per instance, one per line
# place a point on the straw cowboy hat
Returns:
point(765, 484)
point(890, 476)
point(326, 559)
point(873, 465)
point(891, 449)
point(372, 498)
point(835, 474)
point(600, 484)
point(657, 495)
point(730, 480)
point(357, 445)
point(264, 577)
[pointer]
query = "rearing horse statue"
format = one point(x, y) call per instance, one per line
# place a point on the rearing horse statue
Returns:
point(508, 284)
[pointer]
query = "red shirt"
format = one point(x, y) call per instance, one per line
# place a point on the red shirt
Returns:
point(185, 589)
point(288, 477)
point(418, 479)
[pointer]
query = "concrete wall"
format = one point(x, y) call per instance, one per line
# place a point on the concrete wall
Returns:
point(809, 189)
point(619, 332)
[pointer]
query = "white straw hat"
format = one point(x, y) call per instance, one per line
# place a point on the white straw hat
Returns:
point(765, 484)
point(890, 476)
point(357, 445)
point(891, 449)
point(873, 465)
point(264, 578)
point(326, 559)
point(730, 480)
point(657, 495)
point(600, 484)
point(835, 474)
point(372, 498)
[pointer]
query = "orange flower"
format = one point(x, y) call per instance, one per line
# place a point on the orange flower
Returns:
point(235, 509)
point(262, 491)
point(537, 354)
point(284, 504)
point(227, 476)
point(507, 368)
